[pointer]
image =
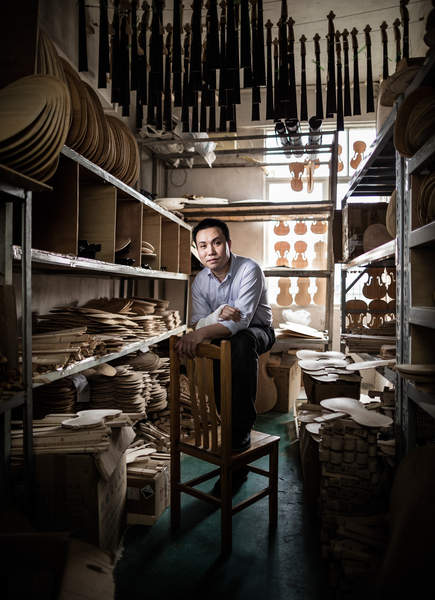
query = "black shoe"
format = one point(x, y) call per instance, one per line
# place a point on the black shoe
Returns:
point(239, 478)
point(241, 444)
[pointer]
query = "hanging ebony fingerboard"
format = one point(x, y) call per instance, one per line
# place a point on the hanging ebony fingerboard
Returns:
point(347, 110)
point(319, 100)
point(369, 82)
point(356, 95)
point(304, 106)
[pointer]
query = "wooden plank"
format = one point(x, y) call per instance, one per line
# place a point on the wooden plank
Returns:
point(213, 419)
point(184, 251)
point(152, 233)
point(202, 392)
point(423, 235)
point(16, 179)
point(55, 215)
point(170, 246)
point(97, 218)
point(129, 226)
point(194, 401)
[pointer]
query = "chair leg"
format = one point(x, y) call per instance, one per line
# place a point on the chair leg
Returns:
point(175, 491)
point(273, 483)
point(226, 511)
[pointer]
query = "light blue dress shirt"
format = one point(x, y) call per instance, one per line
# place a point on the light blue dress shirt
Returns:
point(244, 287)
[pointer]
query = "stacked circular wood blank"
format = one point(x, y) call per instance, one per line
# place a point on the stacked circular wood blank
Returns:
point(426, 200)
point(35, 114)
point(415, 121)
point(102, 139)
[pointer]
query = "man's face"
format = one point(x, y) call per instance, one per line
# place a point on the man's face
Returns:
point(213, 249)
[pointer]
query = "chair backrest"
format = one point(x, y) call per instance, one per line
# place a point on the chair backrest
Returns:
point(212, 430)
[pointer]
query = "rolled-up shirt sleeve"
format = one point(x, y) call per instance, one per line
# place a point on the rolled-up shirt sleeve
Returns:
point(248, 298)
point(200, 306)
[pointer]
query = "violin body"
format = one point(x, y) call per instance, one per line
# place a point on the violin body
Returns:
point(374, 288)
point(296, 170)
point(282, 248)
point(319, 227)
point(300, 260)
point(303, 298)
point(284, 297)
point(319, 257)
point(359, 148)
point(378, 310)
point(391, 289)
point(281, 228)
point(356, 310)
point(300, 228)
point(319, 297)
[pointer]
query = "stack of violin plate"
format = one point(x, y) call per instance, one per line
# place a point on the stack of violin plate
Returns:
point(47, 59)
point(96, 321)
point(151, 325)
point(426, 200)
point(423, 374)
point(103, 139)
point(34, 121)
point(148, 249)
point(415, 121)
point(290, 329)
point(325, 366)
point(172, 319)
point(58, 397)
point(127, 160)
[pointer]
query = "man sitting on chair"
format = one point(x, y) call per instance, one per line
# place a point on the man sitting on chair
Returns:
point(229, 300)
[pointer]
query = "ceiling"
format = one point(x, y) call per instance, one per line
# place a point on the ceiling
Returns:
point(310, 18)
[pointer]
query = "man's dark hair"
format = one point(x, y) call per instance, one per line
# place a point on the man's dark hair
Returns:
point(209, 222)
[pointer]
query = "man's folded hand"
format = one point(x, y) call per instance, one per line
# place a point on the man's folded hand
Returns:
point(230, 313)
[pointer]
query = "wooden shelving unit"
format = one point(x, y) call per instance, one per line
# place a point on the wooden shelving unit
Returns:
point(84, 202)
point(413, 253)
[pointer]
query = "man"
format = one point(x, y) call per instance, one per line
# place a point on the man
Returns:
point(229, 301)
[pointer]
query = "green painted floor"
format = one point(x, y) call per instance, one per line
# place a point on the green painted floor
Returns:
point(155, 564)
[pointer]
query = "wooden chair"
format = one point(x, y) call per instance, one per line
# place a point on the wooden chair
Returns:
point(211, 440)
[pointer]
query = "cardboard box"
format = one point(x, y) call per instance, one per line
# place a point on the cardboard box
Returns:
point(73, 495)
point(147, 497)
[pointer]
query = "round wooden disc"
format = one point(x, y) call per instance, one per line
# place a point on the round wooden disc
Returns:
point(21, 105)
point(375, 235)
point(103, 136)
point(401, 124)
point(79, 120)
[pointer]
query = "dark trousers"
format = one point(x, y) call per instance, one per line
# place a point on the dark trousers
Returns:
point(246, 347)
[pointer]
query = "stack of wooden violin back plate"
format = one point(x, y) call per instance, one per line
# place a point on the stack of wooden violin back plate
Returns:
point(415, 121)
point(35, 113)
point(105, 141)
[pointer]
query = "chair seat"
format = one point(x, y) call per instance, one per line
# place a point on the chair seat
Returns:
point(260, 442)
